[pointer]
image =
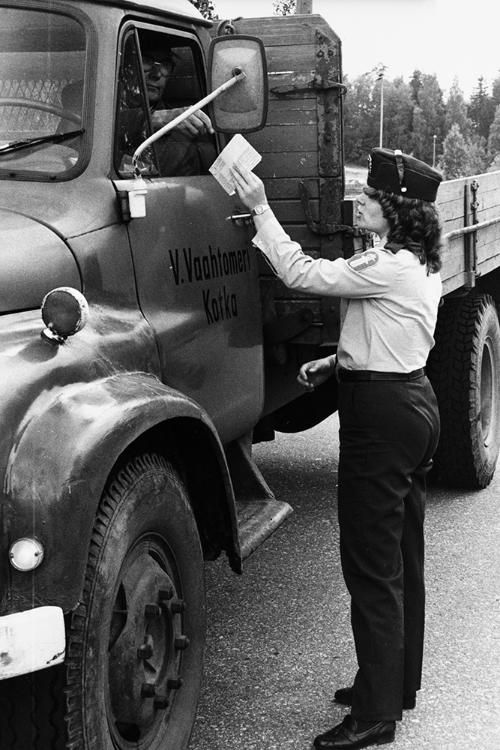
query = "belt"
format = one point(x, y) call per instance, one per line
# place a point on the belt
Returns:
point(353, 376)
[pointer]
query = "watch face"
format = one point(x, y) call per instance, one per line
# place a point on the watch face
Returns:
point(260, 209)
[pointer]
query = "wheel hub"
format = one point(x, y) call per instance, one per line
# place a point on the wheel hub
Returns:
point(146, 642)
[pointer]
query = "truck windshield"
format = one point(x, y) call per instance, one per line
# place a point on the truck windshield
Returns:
point(42, 71)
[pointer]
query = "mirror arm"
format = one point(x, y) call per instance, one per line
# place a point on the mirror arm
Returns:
point(238, 75)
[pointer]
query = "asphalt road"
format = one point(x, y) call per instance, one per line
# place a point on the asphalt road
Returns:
point(279, 639)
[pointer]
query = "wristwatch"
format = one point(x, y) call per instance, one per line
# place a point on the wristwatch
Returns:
point(259, 209)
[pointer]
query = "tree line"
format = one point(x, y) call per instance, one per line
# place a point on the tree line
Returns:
point(460, 137)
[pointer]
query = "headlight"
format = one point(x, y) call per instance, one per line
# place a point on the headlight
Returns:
point(26, 554)
point(65, 312)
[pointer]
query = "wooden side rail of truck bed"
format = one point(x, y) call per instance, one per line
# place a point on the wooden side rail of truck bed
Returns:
point(470, 212)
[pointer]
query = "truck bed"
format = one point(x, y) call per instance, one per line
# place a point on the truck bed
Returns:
point(467, 253)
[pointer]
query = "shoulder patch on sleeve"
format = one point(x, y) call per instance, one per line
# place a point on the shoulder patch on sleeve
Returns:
point(362, 261)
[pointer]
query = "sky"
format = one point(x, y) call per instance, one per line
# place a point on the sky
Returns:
point(450, 38)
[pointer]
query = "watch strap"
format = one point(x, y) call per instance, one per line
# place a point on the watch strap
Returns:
point(259, 209)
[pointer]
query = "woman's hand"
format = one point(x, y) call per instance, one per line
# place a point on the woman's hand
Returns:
point(314, 373)
point(249, 187)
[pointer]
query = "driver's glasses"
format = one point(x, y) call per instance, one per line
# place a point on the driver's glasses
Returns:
point(154, 67)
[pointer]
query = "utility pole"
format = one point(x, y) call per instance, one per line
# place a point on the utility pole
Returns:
point(381, 109)
point(303, 7)
point(380, 77)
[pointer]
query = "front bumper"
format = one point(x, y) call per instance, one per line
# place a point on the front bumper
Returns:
point(31, 640)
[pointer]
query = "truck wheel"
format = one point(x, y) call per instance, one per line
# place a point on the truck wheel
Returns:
point(464, 368)
point(135, 646)
point(32, 711)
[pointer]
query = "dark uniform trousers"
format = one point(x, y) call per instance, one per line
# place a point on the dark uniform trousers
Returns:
point(388, 434)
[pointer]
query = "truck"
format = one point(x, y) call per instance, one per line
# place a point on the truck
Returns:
point(145, 346)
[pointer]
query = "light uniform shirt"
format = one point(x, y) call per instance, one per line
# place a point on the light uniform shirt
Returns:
point(392, 300)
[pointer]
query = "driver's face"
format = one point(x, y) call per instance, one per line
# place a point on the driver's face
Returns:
point(156, 74)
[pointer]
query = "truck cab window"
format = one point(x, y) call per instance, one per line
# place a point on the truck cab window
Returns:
point(42, 76)
point(158, 80)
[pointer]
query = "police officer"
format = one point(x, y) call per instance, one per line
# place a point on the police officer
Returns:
point(389, 423)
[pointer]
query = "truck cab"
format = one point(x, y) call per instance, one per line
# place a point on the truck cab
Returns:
point(185, 274)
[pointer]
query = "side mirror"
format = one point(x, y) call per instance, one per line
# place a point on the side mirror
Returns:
point(243, 108)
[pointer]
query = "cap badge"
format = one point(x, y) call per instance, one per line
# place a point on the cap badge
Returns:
point(401, 168)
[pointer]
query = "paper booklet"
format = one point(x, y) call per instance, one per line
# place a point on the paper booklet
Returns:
point(238, 151)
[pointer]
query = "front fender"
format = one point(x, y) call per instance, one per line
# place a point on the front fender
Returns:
point(63, 454)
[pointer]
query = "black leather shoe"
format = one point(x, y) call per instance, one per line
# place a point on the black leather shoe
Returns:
point(344, 697)
point(347, 736)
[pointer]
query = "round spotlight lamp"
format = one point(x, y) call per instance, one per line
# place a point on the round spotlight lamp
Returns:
point(65, 311)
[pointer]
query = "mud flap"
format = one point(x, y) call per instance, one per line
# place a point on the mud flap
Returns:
point(308, 410)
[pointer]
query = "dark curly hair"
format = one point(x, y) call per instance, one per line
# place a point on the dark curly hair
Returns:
point(413, 224)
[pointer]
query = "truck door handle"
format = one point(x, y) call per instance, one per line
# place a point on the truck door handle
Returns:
point(241, 220)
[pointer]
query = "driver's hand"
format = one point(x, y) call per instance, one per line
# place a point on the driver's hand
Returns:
point(195, 125)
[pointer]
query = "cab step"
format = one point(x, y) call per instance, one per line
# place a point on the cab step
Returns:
point(257, 519)
point(258, 512)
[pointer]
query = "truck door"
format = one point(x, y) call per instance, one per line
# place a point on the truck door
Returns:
point(196, 272)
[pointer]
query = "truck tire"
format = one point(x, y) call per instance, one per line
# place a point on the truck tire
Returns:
point(32, 711)
point(464, 369)
point(135, 645)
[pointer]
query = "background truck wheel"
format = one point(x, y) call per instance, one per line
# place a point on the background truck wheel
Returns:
point(464, 368)
point(135, 646)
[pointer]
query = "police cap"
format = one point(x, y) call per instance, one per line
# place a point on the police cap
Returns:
point(395, 172)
